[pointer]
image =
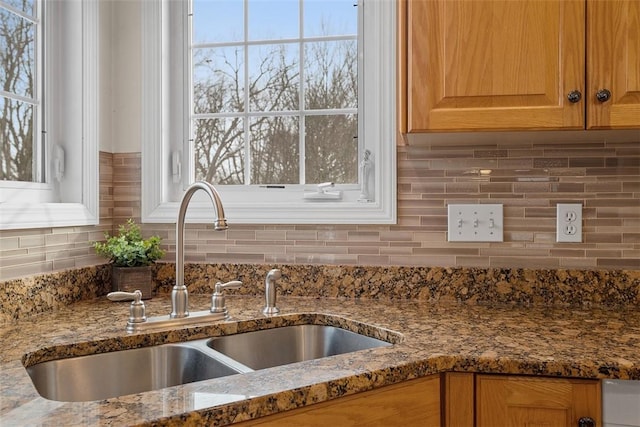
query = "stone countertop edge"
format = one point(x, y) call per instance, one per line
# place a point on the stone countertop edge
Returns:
point(434, 338)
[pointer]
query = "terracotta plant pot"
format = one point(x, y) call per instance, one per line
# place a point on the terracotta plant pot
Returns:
point(129, 279)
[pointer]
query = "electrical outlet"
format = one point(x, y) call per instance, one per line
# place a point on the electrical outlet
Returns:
point(475, 223)
point(569, 222)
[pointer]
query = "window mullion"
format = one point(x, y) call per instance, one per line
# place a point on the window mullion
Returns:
point(33, 19)
point(15, 97)
point(361, 93)
point(246, 123)
point(203, 45)
point(301, 104)
point(39, 147)
point(188, 146)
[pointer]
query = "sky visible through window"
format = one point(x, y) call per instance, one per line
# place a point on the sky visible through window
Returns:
point(220, 21)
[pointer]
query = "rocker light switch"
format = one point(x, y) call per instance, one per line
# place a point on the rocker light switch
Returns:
point(475, 223)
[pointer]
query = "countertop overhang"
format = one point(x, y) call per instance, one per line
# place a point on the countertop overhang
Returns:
point(436, 337)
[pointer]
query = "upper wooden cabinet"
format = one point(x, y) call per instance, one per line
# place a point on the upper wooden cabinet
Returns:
point(503, 64)
point(613, 63)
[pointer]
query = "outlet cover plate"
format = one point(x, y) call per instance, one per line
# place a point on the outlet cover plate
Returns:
point(569, 222)
point(475, 223)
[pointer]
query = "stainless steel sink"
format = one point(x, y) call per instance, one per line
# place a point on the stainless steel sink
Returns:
point(101, 376)
point(118, 373)
point(280, 346)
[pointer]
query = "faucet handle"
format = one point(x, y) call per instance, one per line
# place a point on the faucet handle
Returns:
point(234, 284)
point(122, 296)
point(137, 310)
point(218, 300)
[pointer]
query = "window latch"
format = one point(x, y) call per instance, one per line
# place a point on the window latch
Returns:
point(58, 162)
point(176, 166)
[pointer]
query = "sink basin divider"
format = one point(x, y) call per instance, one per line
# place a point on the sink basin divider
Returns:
point(201, 345)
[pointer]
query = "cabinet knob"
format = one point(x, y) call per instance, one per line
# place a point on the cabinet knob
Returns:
point(574, 96)
point(603, 95)
point(586, 422)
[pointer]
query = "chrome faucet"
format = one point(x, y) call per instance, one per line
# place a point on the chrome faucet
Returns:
point(179, 315)
point(270, 292)
point(179, 293)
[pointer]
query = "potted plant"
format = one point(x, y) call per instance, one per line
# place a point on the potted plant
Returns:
point(131, 257)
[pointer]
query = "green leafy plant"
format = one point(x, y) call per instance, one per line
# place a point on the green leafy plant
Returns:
point(128, 248)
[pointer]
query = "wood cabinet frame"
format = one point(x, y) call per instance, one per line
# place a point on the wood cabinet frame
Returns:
point(447, 81)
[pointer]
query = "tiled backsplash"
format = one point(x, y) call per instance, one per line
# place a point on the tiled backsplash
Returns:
point(528, 178)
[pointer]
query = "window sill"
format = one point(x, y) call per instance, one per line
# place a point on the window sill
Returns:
point(38, 215)
point(272, 213)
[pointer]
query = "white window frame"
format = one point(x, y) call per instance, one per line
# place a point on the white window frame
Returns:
point(71, 118)
point(165, 96)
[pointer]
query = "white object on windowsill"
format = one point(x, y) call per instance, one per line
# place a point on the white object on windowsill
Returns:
point(323, 193)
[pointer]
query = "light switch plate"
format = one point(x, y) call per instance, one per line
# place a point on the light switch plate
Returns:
point(569, 222)
point(475, 223)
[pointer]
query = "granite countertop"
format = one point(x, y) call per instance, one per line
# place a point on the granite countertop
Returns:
point(588, 343)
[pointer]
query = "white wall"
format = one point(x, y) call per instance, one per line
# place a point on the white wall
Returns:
point(123, 93)
point(106, 82)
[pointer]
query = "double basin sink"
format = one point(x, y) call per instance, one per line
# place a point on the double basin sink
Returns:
point(118, 373)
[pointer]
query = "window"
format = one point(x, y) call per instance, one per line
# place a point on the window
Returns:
point(48, 152)
point(272, 99)
point(21, 91)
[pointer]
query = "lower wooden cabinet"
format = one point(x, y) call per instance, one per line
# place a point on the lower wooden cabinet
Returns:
point(513, 400)
point(411, 403)
point(456, 400)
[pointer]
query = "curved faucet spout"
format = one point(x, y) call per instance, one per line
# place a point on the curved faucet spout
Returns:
point(179, 293)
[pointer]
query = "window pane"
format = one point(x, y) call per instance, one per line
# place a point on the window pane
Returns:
point(274, 77)
point(274, 19)
point(26, 6)
point(330, 17)
point(16, 130)
point(17, 54)
point(219, 150)
point(331, 149)
point(331, 75)
point(218, 21)
point(218, 80)
point(274, 150)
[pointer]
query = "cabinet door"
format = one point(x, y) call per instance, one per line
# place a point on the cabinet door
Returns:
point(613, 58)
point(493, 64)
point(526, 401)
point(411, 403)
